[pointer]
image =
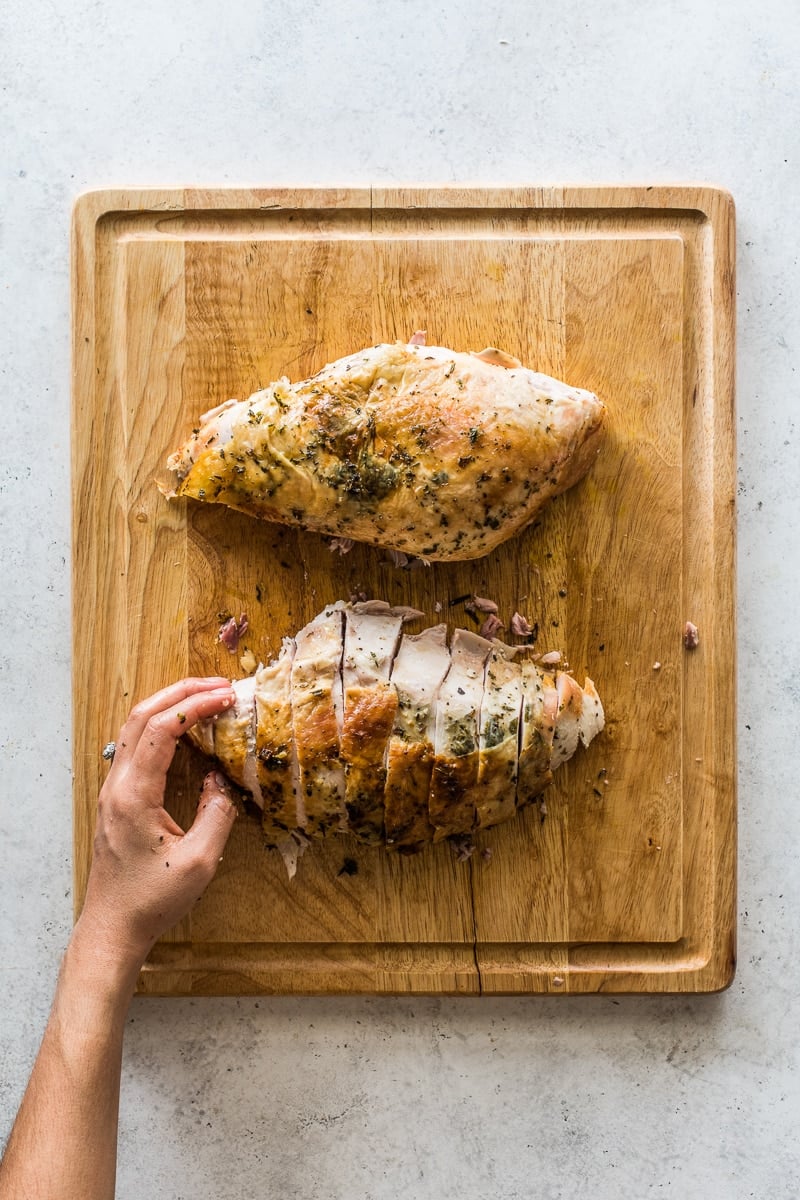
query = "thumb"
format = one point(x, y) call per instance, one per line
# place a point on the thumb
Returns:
point(216, 813)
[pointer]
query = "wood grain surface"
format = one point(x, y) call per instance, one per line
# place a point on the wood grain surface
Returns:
point(183, 299)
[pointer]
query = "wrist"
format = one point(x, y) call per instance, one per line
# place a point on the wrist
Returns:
point(108, 965)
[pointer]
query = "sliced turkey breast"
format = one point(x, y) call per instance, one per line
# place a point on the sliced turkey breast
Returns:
point(396, 738)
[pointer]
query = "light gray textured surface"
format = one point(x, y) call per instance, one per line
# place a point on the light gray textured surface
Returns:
point(430, 1099)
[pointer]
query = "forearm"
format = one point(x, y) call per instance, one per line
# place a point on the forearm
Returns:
point(64, 1142)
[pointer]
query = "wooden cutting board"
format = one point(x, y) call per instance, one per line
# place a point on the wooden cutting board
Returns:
point(185, 298)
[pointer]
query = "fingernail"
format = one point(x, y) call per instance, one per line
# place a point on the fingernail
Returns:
point(215, 780)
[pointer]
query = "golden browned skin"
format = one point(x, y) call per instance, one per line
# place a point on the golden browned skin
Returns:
point(420, 449)
point(368, 718)
point(408, 826)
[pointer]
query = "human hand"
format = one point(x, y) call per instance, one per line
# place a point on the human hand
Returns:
point(146, 871)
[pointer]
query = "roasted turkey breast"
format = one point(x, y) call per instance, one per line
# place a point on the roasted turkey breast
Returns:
point(415, 448)
point(393, 737)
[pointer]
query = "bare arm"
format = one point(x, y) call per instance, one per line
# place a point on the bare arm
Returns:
point(146, 874)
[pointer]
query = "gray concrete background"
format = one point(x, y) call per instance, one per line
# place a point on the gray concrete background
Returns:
point(600, 1098)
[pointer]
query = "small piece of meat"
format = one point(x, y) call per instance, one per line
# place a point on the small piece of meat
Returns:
point(691, 636)
point(419, 338)
point(485, 606)
point(248, 662)
point(381, 608)
point(343, 544)
point(463, 847)
point(491, 626)
point(232, 631)
point(520, 626)
point(551, 659)
point(497, 358)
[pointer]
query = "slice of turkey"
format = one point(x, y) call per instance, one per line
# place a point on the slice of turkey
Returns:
point(453, 800)
point(370, 704)
point(499, 738)
point(317, 717)
point(421, 665)
point(276, 756)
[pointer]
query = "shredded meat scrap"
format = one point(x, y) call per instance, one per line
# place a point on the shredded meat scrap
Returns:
point(232, 631)
point(397, 738)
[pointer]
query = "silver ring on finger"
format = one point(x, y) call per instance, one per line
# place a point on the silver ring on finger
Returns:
point(109, 750)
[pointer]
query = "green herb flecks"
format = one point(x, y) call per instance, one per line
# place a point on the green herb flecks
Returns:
point(461, 737)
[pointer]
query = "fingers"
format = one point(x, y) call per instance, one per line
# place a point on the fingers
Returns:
point(135, 725)
point(156, 746)
point(216, 814)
